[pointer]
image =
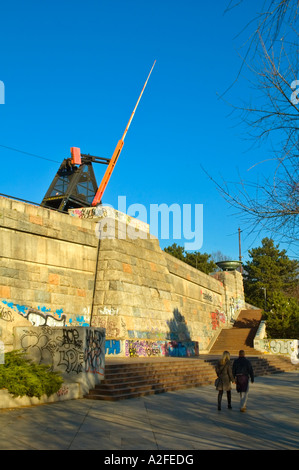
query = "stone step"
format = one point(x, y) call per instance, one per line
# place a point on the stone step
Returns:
point(127, 371)
point(248, 318)
point(159, 377)
point(241, 335)
point(152, 378)
point(146, 384)
point(134, 391)
point(134, 378)
point(116, 379)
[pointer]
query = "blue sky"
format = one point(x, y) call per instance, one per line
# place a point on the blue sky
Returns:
point(73, 71)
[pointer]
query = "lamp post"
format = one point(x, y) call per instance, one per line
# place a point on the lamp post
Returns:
point(265, 297)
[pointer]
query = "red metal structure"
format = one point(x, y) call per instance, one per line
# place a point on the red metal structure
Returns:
point(74, 184)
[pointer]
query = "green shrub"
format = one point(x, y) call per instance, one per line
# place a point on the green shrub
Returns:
point(22, 377)
point(282, 316)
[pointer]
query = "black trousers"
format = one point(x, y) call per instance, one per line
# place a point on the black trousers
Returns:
point(229, 397)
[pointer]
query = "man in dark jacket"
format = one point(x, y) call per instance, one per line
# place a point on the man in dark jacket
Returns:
point(242, 370)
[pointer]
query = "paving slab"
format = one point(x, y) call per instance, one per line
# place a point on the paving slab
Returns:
point(185, 420)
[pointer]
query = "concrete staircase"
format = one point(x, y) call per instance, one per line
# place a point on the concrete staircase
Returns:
point(240, 336)
point(135, 377)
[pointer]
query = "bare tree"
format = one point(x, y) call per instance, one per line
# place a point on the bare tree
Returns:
point(271, 63)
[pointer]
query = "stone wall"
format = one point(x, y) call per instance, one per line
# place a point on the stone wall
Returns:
point(55, 271)
point(47, 262)
point(150, 303)
point(77, 353)
point(233, 298)
point(284, 347)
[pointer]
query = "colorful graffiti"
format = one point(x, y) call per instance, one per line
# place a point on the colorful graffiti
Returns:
point(217, 318)
point(41, 316)
point(114, 325)
point(286, 347)
point(188, 349)
point(105, 212)
point(112, 347)
point(37, 318)
point(143, 348)
point(64, 390)
point(234, 308)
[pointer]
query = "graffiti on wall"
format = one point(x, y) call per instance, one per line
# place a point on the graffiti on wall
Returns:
point(6, 314)
point(139, 348)
point(285, 347)
point(86, 212)
point(295, 352)
point(38, 318)
point(41, 316)
point(113, 347)
point(66, 349)
point(217, 318)
point(279, 346)
point(152, 333)
point(64, 390)
point(149, 328)
point(70, 351)
point(143, 348)
point(93, 356)
point(78, 320)
point(177, 349)
point(234, 307)
point(114, 325)
point(207, 296)
point(108, 311)
point(109, 215)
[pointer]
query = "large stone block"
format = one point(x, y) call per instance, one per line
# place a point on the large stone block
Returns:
point(77, 353)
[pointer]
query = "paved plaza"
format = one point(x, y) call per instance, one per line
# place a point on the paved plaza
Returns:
point(181, 420)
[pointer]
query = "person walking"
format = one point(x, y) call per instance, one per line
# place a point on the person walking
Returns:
point(242, 370)
point(225, 377)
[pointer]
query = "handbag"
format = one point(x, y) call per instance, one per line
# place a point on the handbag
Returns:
point(218, 380)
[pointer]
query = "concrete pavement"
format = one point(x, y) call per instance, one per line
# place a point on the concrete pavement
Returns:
point(181, 420)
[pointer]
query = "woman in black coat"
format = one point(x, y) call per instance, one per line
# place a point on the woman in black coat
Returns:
point(225, 376)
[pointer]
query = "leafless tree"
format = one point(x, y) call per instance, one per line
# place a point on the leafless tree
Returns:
point(271, 63)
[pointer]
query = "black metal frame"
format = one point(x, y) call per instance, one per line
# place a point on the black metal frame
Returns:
point(73, 186)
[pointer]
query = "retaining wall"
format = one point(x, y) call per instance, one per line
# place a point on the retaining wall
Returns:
point(78, 354)
point(54, 271)
point(283, 347)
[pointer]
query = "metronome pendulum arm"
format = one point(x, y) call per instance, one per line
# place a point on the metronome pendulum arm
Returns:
point(74, 184)
point(116, 153)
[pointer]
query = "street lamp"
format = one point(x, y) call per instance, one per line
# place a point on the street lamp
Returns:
point(265, 297)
